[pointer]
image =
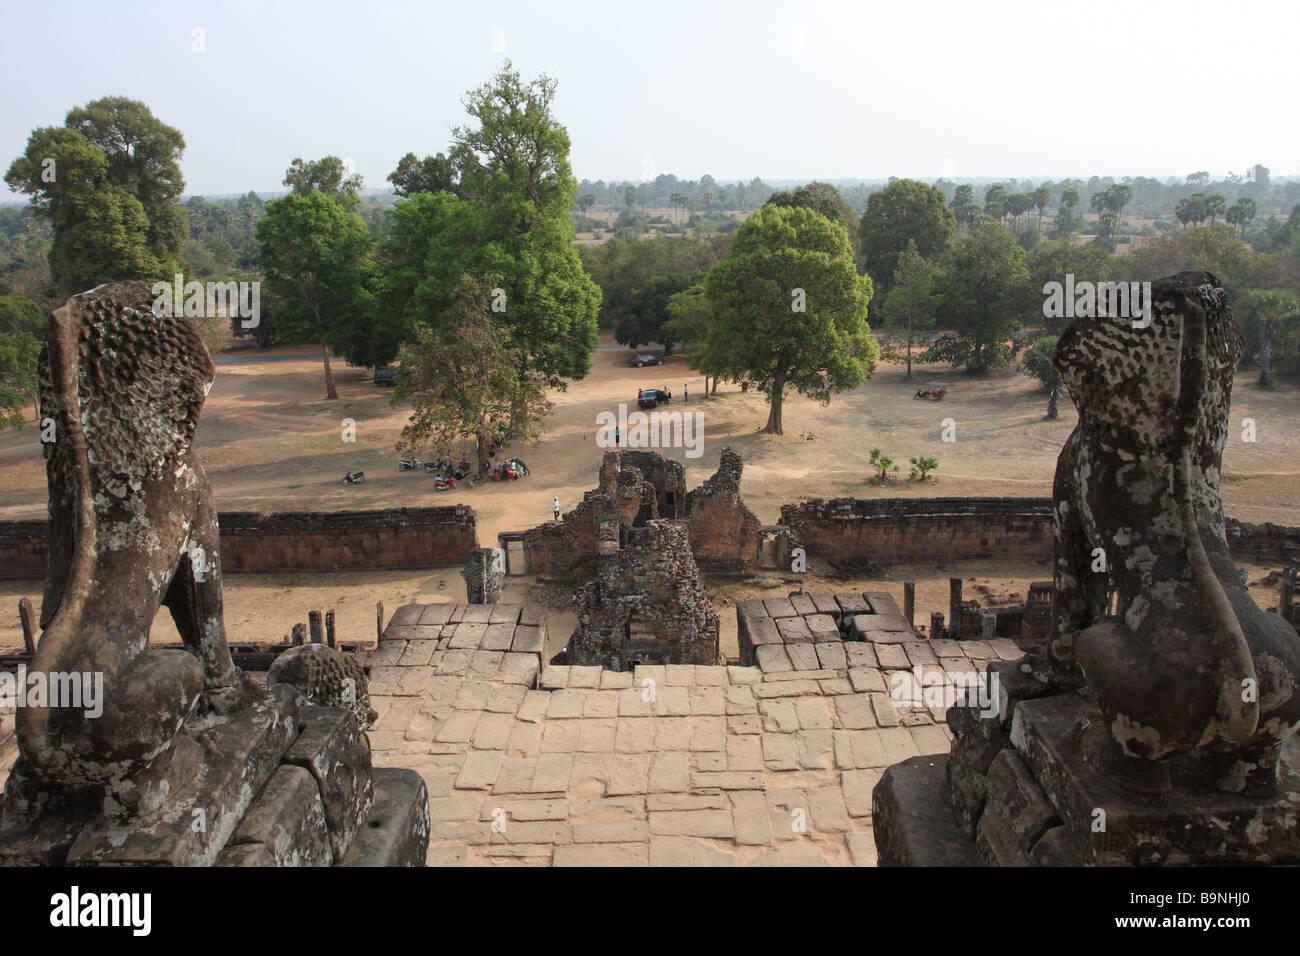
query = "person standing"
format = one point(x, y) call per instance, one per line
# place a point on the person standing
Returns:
point(686, 392)
point(618, 438)
point(555, 506)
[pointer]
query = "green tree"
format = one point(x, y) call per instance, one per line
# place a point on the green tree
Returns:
point(909, 306)
point(791, 308)
point(314, 255)
point(515, 175)
point(1270, 305)
point(641, 321)
point(1041, 198)
point(1017, 205)
point(1052, 262)
point(995, 201)
point(921, 467)
point(984, 286)
point(432, 174)
point(1118, 197)
point(883, 464)
point(1069, 199)
point(108, 181)
point(903, 211)
point(1215, 205)
point(1037, 364)
point(464, 380)
point(825, 199)
point(964, 206)
point(691, 323)
point(328, 175)
point(1240, 213)
point(22, 327)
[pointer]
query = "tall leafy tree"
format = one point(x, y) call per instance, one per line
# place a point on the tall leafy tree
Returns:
point(1037, 364)
point(1042, 197)
point(903, 211)
point(22, 326)
point(429, 175)
point(315, 258)
point(825, 199)
point(1268, 306)
point(109, 181)
point(964, 206)
point(515, 174)
point(791, 308)
point(465, 380)
point(984, 288)
point(909, 306)
point(327, 175)
point(1069, 199)
point(1240, 213)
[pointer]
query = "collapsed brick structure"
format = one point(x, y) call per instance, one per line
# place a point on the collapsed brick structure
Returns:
point(646, 604)
point(724, 533)
point(640, 486)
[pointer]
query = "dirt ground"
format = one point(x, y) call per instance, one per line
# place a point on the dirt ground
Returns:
point(270, 442)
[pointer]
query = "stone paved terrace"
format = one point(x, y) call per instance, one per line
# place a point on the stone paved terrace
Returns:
point(670, 765)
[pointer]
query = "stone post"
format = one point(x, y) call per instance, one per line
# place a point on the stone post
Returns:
point(26, 616)
point(909, 602)
point(954, 608)
point(314, 622)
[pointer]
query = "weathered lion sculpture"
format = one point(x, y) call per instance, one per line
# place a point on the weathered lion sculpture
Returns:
point(1192, 663)
point(132, 526)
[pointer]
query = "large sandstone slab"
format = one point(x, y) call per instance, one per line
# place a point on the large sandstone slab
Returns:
point(286, 823)
point(332, 749)
point(397, 831)
point(218, 767)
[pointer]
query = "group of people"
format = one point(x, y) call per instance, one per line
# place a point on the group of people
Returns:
point(503, 470)
point(447, 468)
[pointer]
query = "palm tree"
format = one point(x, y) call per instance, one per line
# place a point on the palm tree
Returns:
point(1042, 197)
point(1119, 198)
point(1069, 198)
point(1214, 205)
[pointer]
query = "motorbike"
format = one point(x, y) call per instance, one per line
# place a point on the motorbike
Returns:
point(410, 464)
point(521, 470)
point(443, 484)
point(351, 479)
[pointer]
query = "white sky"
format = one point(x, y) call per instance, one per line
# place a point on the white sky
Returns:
point(797, 90)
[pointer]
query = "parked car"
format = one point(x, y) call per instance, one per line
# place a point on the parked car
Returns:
point(385, 375)
point(652, 397)
point(637, 361)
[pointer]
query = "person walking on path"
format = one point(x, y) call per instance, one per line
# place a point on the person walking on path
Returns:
point(555, 506)
point(686, 392)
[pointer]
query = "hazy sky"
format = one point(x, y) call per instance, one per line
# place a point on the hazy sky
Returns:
point(755, 88)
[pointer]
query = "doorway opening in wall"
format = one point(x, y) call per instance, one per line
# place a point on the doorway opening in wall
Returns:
point(515, 558)
point(769, 550)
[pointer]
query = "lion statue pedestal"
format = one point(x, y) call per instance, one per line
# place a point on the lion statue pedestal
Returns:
point(1163, 735)
point(183, 760)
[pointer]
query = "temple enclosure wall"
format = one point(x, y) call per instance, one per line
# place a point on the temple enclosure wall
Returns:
point(879, 530)
point(906, 530)
point(298, 541)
